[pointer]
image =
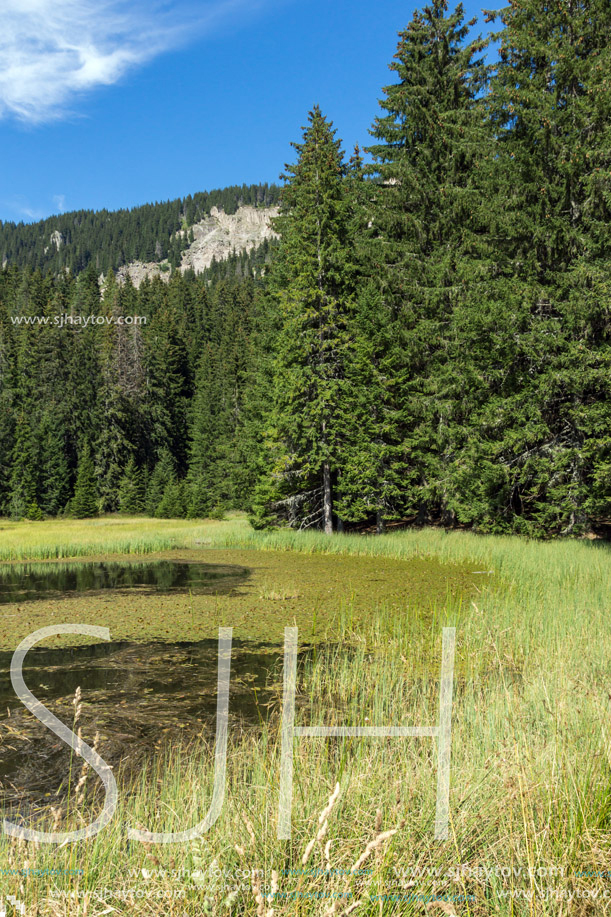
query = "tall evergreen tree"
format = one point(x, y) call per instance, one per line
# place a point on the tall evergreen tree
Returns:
point(164, 475)
point(55, 480)
point(84, 502)
point(539, 335)
point(131, 490)
point(423, 249)
point(119, 397)
point(7, 393)
point(313, 281)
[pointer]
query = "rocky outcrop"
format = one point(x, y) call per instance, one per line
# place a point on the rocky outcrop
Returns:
point(56, 240)
point(138, 271)
point(215, 238)
point(220, 234)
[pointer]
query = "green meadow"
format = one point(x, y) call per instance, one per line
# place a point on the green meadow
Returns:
point(530, 797)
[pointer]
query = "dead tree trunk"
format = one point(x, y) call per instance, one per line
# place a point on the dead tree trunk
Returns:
point(327, 512)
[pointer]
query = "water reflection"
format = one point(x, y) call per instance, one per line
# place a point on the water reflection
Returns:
point(28, 582)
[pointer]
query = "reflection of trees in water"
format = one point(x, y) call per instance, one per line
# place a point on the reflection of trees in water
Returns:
point(23, 582)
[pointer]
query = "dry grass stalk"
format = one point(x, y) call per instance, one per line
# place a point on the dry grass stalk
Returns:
point(376, 844)
point(328, 855)
point(257, 894)
point(371, 846)
point(76, 703)
point(323, 821)
point(81, 786)
point(262, 911)
point(250, 829)
point(444, 905)
point(324, 815)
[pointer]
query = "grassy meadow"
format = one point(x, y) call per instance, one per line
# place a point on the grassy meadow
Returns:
point(530, 800)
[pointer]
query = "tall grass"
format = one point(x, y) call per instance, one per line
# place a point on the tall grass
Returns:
point(530, 778)
point(69, 538)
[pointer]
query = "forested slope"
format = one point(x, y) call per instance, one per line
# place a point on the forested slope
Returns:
point(111, 239)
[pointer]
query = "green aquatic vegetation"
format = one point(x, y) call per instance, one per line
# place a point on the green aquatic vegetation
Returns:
point(320, 593)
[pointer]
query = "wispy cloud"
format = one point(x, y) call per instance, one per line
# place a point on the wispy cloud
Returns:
point(54, 50)
point(60, 202)
point(20, 209)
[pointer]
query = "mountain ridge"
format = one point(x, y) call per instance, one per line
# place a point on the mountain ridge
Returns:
point(110, 240)
point(215, 238)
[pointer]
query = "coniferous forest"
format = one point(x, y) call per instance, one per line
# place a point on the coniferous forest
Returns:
point(109, 240)
point(428, 342)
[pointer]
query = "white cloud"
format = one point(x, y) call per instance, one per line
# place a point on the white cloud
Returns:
point(60, 202)
point(53, 50)
point(20, 208)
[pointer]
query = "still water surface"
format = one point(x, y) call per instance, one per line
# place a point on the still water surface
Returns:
point(29, 582)
point(140, 698)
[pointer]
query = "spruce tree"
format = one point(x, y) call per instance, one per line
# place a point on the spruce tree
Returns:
point(131, 490)
point(313, 282)
point(164, 474)
point(168, 379)
point(54, 478)
point(84, 502)
point(120, 384)
point(25, 479)
point(173, 502)
point(423, 218)
point(533, 351)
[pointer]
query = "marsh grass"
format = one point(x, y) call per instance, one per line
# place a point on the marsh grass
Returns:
point(274, 593)
point(531, 763)
point(108, 535)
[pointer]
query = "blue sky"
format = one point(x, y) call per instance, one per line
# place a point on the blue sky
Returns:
point(113, 104)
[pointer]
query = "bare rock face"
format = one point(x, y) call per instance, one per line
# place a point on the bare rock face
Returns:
point(220, 234)
point(138, 271)
point(215, 237)
point(56, 239)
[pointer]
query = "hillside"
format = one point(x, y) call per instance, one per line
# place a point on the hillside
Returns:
point(111, 240)
point(215, 238)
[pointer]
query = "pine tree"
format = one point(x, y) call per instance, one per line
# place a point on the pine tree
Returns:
point(423, 249)
point(131, 490)
point(84, 502)
point(313, 281)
